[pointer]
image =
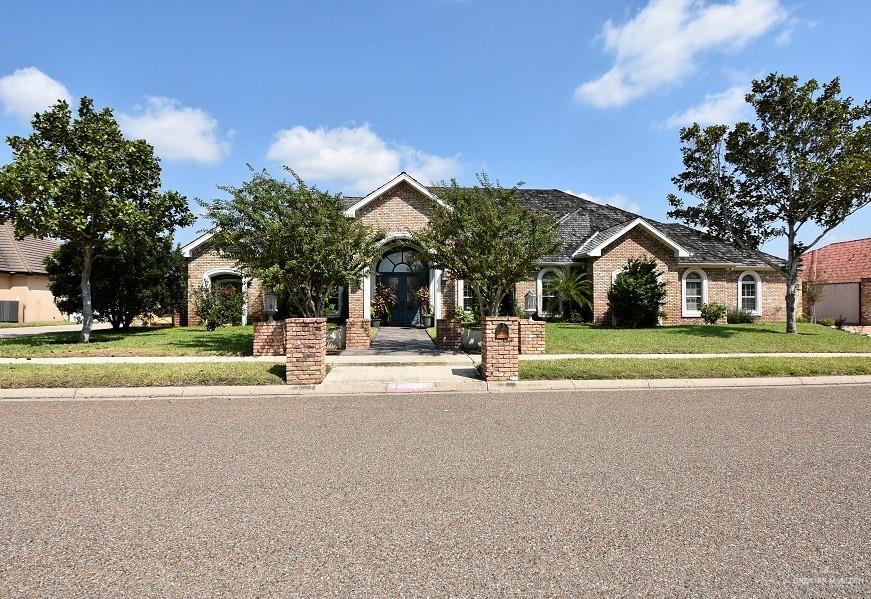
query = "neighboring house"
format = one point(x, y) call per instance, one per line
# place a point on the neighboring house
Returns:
point(593, 237)
point(24, 293)
point(844, 269)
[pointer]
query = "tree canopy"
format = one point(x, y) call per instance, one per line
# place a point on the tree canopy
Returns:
point(294, 237)
point(128, 279)
point(804, 162)
point(77, 179)
point(486, 237)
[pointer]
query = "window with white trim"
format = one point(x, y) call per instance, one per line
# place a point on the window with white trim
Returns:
point(333, 308)
point(695, 292)
point(750, 292)
point(551, 302)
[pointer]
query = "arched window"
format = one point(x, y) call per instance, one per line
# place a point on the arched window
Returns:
point(695, 292)
point(750, 292)
point(549, 302)
point(400, 261)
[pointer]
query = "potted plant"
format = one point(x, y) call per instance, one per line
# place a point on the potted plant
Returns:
point(424, 306)
point(382, 302)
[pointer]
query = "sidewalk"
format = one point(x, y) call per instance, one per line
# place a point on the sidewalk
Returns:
point(380, 388)
point(349, 358)
point(13, 332)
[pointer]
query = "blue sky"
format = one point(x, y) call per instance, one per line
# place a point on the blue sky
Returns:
point(581, 96)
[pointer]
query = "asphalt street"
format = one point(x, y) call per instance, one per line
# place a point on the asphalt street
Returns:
point(731, 492)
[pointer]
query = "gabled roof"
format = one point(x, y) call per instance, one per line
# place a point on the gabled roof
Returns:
point(25, 256)
point(841, 262)
point(402, 177)
point(190, 247)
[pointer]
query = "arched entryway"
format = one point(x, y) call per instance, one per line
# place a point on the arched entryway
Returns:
point(401, 270)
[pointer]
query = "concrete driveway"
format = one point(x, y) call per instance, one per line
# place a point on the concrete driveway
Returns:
point(705, 492)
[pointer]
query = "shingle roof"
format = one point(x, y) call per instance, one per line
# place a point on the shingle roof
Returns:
point(24, 255)
point(584, 224)
point(842, 262)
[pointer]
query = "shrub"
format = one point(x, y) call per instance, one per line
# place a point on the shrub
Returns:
point(217, 307)
point(736, 316)
point(637, 295)
point(840, 322)
point(828, 321)
point(423, 302)
point(467, 317)
point(713, 312)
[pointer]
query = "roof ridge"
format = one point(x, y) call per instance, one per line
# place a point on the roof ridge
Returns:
point(828, 245)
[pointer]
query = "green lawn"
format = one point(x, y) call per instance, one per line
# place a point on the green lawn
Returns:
point(19, 376)
point(170, 341)
point(667, 368)
point(431, 331)
point(564, 338)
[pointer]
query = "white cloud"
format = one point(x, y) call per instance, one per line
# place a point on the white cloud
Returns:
point(659, 45)
point(723, 108)
point(28, 91)
point(355, 156)
point(618, 200)
point(177, 132)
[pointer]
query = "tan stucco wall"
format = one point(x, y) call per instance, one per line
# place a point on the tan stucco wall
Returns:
point(37, 302)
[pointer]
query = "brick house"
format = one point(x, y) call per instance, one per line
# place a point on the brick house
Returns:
point(595, 238)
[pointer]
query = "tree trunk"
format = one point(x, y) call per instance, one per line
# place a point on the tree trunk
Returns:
point(791, 284)
point(87, 310)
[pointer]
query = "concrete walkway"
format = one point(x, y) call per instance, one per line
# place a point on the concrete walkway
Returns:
point(399, 340)
point(429, 357)
point(13, 332)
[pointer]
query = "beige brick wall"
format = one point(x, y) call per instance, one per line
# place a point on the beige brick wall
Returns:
point(722, 283)
point(499, 358)
point(306, 341)
point(401, 208)
point(205, 259)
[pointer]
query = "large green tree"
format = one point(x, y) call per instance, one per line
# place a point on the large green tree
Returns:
point(805, 161)
point(486, 237)
point(77, 179)
point(294, 237)
point(128, 279)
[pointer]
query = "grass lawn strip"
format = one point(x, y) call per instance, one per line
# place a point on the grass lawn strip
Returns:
point(169, 341)
point(139, 375)
point(630, 368)
point(565, 338)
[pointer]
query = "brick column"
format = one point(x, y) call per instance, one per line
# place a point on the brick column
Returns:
point(499, 357)
point(531, 334)
point(448, 334)
point(865, 301)
point(269, 338)
point(357, 333)
point(306, 340)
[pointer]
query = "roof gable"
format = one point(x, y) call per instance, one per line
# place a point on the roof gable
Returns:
point(402, 177)
point(605, 238)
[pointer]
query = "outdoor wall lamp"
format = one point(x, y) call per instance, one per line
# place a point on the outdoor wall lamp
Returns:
point(530, 303)
point(270, 304)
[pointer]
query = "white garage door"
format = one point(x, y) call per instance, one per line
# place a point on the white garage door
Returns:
point(839, 300)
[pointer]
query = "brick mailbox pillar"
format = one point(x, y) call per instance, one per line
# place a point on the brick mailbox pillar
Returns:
point(357, 333)
point(448, 334)
point(269, 338)
point(531, 334)
point(499, 348)
point(306, 340)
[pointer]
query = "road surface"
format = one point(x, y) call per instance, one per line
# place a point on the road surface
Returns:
point(732, 492)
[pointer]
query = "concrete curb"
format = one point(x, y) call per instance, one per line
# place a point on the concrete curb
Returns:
point(143, 393)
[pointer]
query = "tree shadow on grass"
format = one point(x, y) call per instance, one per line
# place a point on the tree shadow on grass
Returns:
point(279, 370)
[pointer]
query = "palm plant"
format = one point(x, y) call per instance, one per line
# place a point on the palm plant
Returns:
point(574, 287)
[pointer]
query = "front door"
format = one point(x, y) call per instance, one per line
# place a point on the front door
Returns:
point(400, 270)
point(404, 286)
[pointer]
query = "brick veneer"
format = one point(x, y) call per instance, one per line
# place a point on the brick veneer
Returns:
point(448, 334)
point(269, 338)
point(722, 283)
point(499, 358)
point(401, 208)
point(203, 260)
point(531, 333)
point(357, 333)
point(521, 289)
point(306, 340)
point(865, 301)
